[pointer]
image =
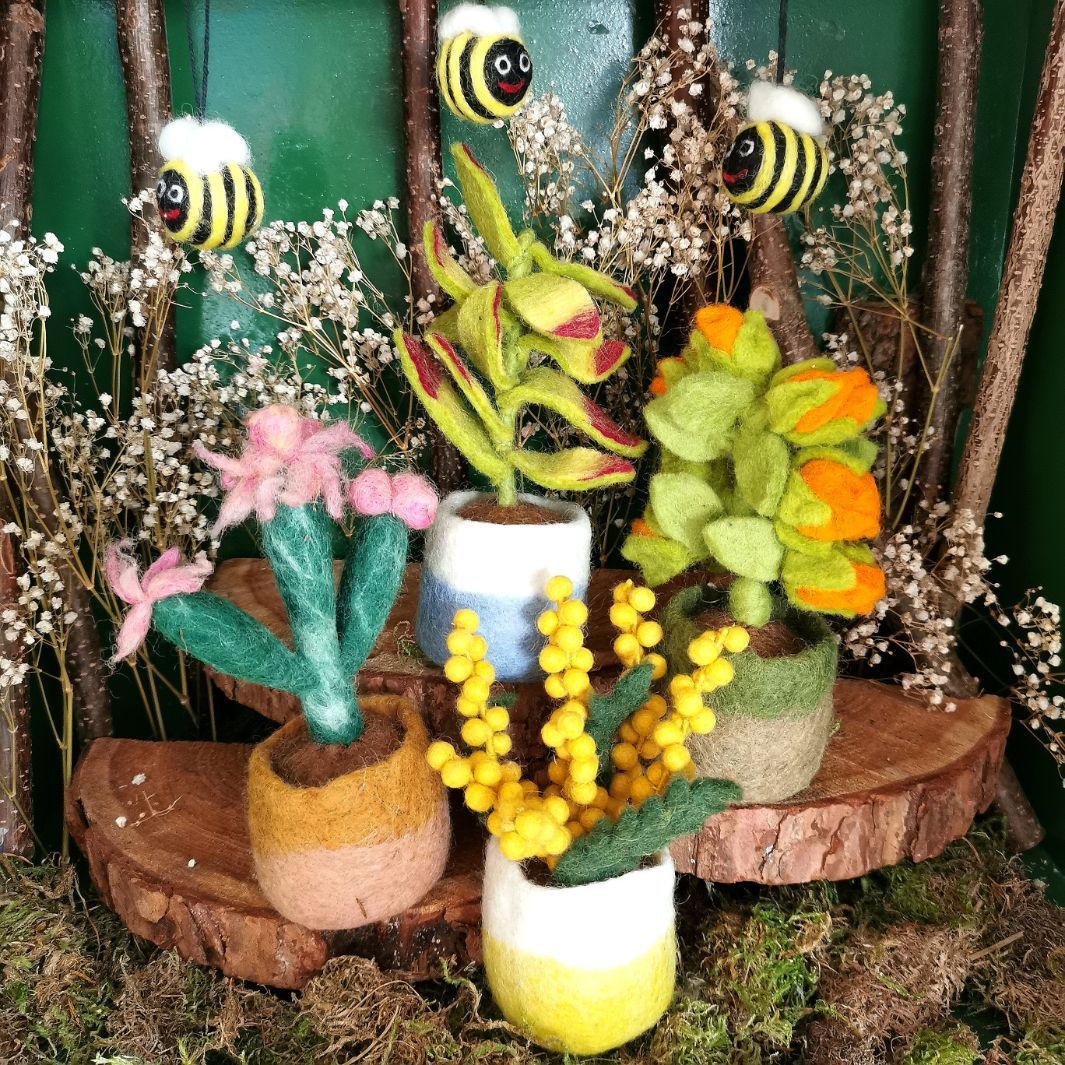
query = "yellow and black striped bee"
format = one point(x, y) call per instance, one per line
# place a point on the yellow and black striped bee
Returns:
point(771, 167)
point(484, 77)
point(214, 210)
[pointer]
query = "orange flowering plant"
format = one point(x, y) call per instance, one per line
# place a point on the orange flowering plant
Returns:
point(765, 472)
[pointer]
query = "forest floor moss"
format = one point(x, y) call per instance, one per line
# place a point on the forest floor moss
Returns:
point(956, 961)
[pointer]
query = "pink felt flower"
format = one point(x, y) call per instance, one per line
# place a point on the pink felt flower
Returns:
point(288, 459)
point(407, 496)
point(165, 577)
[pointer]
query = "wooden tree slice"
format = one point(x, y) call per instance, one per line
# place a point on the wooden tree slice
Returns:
point(163, 827)
point(397, 667)
point(899, 780)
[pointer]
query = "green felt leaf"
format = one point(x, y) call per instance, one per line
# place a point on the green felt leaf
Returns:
point(586, 361)
point(697, 417)
point(597, 283)
point(607, 712)
point(858, 454)
point(831, 571)
point(543, 387)
point(481, 332)
point(747, 547)
point(683, 504)
point(444, 267)
point(795, 541)
point(228, 640)
point(369, 583)
point(800, 506)
point(486, 210)
point(755, 354)
point(446, 324)
point(750, 602)
point(761, 461)
point(573, 469)
point(658, 558)
point(498, 430)
point(446, 407)
point(554, 306)
point(613, 848)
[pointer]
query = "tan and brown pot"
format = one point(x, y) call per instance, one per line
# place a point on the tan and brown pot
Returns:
point(361, 848)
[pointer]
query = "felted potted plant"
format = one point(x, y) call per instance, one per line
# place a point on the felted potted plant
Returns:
point(347, 824)
point(477, 368)
point(577, 904)
point(765, 479)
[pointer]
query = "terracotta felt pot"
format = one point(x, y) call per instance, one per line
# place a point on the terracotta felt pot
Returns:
point(579, 970)
point(776, 717)
point(361, 848)
point(500, 571)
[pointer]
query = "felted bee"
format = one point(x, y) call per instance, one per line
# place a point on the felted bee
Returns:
point(483, 68)
point(778, 162)
point(207, 195)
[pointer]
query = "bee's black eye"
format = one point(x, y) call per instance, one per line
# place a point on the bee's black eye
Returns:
point(503, 65)
point(160, 188)
point(524, 63)
point(175, 194)
point(746, 146)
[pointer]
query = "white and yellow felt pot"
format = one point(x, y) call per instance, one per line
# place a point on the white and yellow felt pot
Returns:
point(580, 970)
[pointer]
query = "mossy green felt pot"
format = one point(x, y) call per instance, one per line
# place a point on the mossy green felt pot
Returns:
point(775, 719)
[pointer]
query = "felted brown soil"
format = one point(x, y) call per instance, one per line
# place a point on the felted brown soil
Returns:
point(769, 641)
point(490, 512)
point(302, 763)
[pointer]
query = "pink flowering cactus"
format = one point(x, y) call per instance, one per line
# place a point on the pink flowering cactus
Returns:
point(288, 459)
point(406, 496)
point(165, 577)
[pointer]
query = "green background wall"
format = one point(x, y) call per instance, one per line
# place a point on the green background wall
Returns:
point(314, 86)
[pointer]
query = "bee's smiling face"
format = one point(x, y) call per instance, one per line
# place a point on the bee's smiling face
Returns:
point(742, 161)
point(172, 198)
point(508, 71)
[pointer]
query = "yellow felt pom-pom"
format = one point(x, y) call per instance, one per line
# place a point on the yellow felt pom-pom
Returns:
point(573, 612)
point(627, 733)
point(488, 773)
point(553, 659)
point(649, 633)
point(689, 704)
point(703, 722)
point(495, 823)
point(642, 599)
point(641, 789)
point(551, 735)
point(575, 682)
point(475, 732)
point(622, 592)
point(497, 718)
point(582, 746)
point(667, 733)
point(644, 721)
point(624, 755)
point(547, 622)
point(703, 650)
point(554, 687)
point(512, 846)
point(590, 817)
point(467, 707)
point(582, 659)
point(656, 774)
point(570, 724)
point(679, 684)
point(511, 771)
point(478, 648)
point(658, 665)
point(649, 750)
point(500, 744)
point(485, 670)
point(675, 757)
point(583, 770)
point(557, 772)
point(476, 688)
point(529, 824)
point(620, 786)
point(559, 841)
point(458, 642)
point(569, 638)
point(627, 648)
point(439, 753)
point(624, 617)
point(455, 773)
point(557, 809)
point(582, 791)
point(559, 588)
point(721, 672)
point(602, 798)
point(511, 791)
point(466, 619)
point(736, 639)
point(457, 669)
point(479, 798)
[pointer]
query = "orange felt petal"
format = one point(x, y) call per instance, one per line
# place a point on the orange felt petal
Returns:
point(855, 397)
point(719, 323)
point(859, 598)
point(641, 528)
point(853, 497)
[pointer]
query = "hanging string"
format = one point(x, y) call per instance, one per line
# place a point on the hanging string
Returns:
point(199, 76)
point(782, 40)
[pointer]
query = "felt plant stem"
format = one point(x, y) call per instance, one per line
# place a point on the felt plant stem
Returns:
point(471, 368)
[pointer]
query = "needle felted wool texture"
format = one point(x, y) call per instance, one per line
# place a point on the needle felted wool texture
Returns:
point(360, 848)
point(775, 717)
point(500, 572)
point(579, 970)
point(764, 472)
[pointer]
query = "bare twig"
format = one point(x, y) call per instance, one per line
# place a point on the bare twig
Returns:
point(421, 118)
point(946, 269)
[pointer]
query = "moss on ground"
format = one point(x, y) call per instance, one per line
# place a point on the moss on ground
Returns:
point(872, 972)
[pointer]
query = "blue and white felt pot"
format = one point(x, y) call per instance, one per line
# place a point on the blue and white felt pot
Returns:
point(499, 571)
